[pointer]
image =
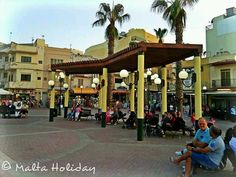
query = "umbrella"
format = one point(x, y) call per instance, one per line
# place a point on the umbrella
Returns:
point(5, 92)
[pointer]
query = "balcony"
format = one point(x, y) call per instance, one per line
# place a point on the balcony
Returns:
point(223, 83)
point(23, 85)
point(18, 65)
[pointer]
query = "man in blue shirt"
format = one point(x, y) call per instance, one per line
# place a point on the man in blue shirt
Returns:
point(201, 139)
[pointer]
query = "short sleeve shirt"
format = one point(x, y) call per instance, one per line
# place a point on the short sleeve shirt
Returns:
point(203, 136)
point(232, 144)
point(217, 146)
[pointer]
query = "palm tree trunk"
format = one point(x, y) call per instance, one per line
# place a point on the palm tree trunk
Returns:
point(179, 88)
point(179, 85)
point(111, 78)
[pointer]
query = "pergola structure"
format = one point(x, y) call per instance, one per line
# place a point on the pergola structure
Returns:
point(137, 58)
point(156, 54)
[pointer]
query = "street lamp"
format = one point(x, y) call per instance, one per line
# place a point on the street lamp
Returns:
point(51, 84)
point(124, 74)
point(183, 75)
point(96, 84)
point(149, 79)
point(61, 78)
point(66, 99)
point(204, 89)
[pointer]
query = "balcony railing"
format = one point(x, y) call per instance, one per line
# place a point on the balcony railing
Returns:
point(222, 83)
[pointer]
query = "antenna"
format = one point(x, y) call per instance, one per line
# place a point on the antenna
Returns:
point(70, 46)
point(32, 39)
point(42, 36)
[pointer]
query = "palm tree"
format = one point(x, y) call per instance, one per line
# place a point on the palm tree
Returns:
point(113, 15)
point(175, 14)
point(160, 33)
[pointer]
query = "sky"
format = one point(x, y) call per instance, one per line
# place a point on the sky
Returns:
point(68, 23)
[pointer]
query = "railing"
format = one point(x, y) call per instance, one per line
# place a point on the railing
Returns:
point(222, 83)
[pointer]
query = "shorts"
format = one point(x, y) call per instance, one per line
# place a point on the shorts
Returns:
point(202, 159)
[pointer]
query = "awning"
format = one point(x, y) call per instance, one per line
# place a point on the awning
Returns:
point(5, 92)
point(220, 93)
point(88, 91)
point(120, 91)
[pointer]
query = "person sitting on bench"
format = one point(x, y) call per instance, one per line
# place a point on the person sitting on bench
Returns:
point(121, 115)
point(130, 122)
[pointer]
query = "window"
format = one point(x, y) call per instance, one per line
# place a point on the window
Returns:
point(40, 62)
point(6, 59)
point(45, 79)
point(80, 82)
point(56, 61)
point(225, 77)
point(10, 78)
point(12, 59)
point(39, 78)
point(25, 59)
point(5, 75)
point(25, 77)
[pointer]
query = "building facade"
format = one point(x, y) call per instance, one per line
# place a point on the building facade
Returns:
point(221, 52)
point(25, 68)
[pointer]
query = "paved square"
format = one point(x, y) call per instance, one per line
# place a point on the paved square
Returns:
point(35, 147)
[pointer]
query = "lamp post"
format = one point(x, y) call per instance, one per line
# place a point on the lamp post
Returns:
point(96, 86)
point(183, 75)
point(124, 74)
point(204, 89)
point(149, 80)
point(148, 76)
point(51, 84)
point(81, 88)
point(66, 99)
point(61, 78)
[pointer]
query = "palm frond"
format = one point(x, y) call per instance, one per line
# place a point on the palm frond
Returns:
point(122, 19)
point(119, 9)
point(105, 7)
point(189, 2)
point(99, 22)
point(159, 6)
